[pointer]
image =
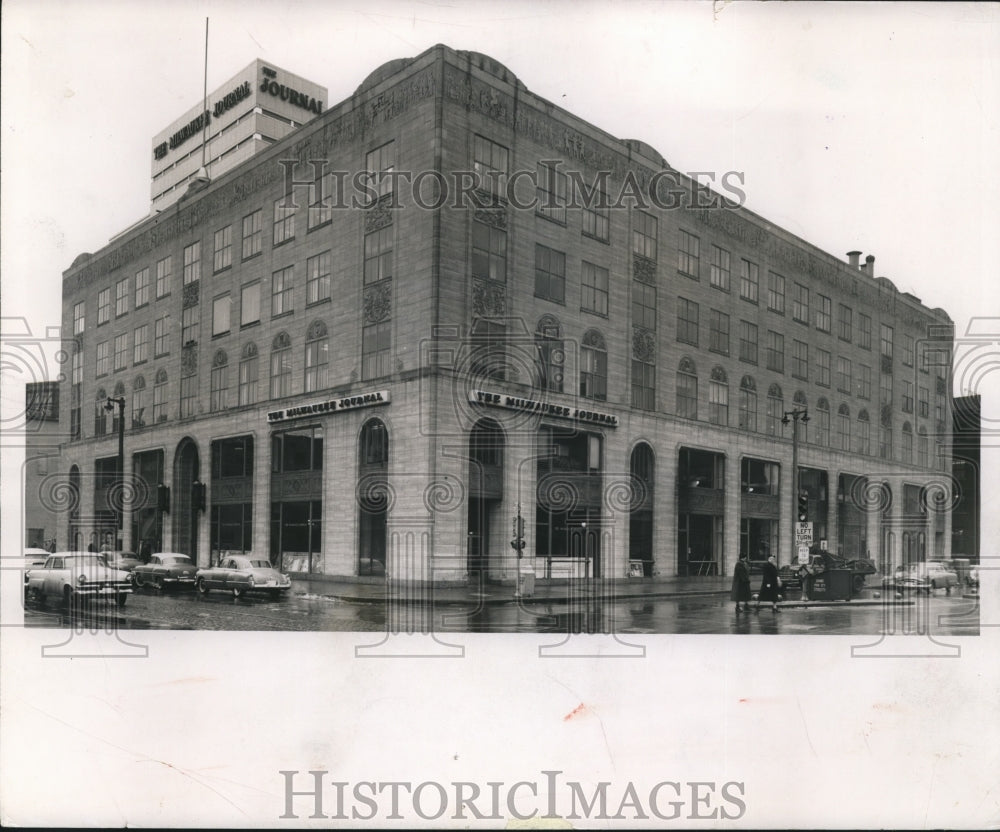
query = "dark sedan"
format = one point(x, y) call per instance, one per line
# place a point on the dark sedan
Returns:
point(165, 569)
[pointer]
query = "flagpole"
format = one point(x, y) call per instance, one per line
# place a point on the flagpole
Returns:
point(204, 133)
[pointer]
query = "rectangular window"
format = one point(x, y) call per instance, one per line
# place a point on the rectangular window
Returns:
point(380, 163)
point(281, 291)
point(253, 233)
point(250, 303)
point(103, 306)
point(223, 248)
point(907, 396)
point(718, 331)
point(885, 389)
point(317, 364)
point(719, 274)
point(596, 211)
point(885, 442)
point(190, 320)
point(689, 254)
point(160, 402)
point(775, 351)
point(643, 305)
point(594, 289)
point(823, 368)
point(318, 278)
point(643, 385)
point(924, 401)
point(687, 395)
point(824, 313)
point(121, 297)
point(320, 204)
point(489, 252)
point(218, 391)
point(189, 395)
point(490, 162)
point(800, 359)
point(284, 220)
point(192, 262)
point(141, 287)
point(221, 307)
point(800, 303)
point(103, 358)
point(776, 293)
point(163, 277)
point(748, 342)
point(139, 402)
point(489, 349)
point(375, 343)
point(249, 371)
point(718, 402)
point(749, 281)
point(864, 382)
point(908, 350)
point(644, 231)
point(687, 321)
point(161, 336)
point(79, 317)
point(885, 341)
point(121, 351)
point(846, 323)
point(378, 255)
point(550, 274)
point(140, 344)
point(844, 374)
point(550, 193)
point(864, 331)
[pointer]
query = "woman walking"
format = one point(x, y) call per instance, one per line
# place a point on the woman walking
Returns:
point(741, 584)
point(769, 585)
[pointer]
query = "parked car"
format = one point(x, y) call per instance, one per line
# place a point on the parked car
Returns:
point(71, 577)
point(921, 577)
point(972, 580)
point(126, 561)
point(165, 569)
point(240, 574)
point(33, 558)
point(938, 573)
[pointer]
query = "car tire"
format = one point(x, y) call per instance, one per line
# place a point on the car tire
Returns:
point(202, 586)
point(71, 601)
point(38, 597)
point(138, 581)
point(158, 584)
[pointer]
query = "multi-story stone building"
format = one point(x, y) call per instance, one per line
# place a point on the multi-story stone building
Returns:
point(41, 463)
point(446, 301)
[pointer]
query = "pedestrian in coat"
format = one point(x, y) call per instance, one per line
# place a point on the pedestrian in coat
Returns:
point(741, 584)
point(769, 585)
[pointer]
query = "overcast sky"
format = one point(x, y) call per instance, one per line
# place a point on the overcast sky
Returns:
point(857, 126)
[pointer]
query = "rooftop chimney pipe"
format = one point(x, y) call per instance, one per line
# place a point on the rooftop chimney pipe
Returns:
point(870, 265)
point(854, 257)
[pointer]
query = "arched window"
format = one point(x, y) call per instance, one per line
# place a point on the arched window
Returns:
point(823, 422)
point(374, 443)
point(317, 356)
point(219, 382)
point(281, 366)
point(594, 367)
point(551, 355)
point(885, 432)
point(249, 374)
point(907, 443)
point(775, 409)
point(922, 447)
point(844, 428)
point(687, 389)
point(102, 416)
point(718, 397)
point(160, 397)
point(864, 437)
point(748, 404)
point(140, 400)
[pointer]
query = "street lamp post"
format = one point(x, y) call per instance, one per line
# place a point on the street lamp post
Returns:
point(109, 405)
point(799, 414)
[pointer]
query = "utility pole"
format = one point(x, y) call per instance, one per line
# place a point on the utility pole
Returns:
point(109, 405)
point(799, 414)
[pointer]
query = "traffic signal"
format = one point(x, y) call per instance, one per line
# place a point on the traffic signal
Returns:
point(163, 497)
point(517, 543)
point(803, 507)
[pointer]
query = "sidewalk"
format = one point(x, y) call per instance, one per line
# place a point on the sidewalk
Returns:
point(552, 592)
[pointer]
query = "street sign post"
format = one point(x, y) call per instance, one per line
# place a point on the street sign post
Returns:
point(803, 540)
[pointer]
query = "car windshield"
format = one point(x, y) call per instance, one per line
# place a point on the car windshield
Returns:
point(260, 564)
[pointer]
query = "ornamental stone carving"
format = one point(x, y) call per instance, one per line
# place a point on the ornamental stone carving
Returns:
point(643, 345)
point(494, 217)
point(643, 268)
point(378, 216)
point(189, 360)
point(378, 302)
point(489, 299)
point(190, 294)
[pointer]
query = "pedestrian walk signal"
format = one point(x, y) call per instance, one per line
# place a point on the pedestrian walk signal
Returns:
point(803, 507)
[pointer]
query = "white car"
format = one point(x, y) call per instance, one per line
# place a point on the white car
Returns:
point(71, 577)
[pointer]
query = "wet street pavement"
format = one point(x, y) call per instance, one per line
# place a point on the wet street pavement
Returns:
point(940, 614)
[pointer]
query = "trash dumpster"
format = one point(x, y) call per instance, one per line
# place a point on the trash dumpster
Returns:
point(525, 582)
point(832, 585)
